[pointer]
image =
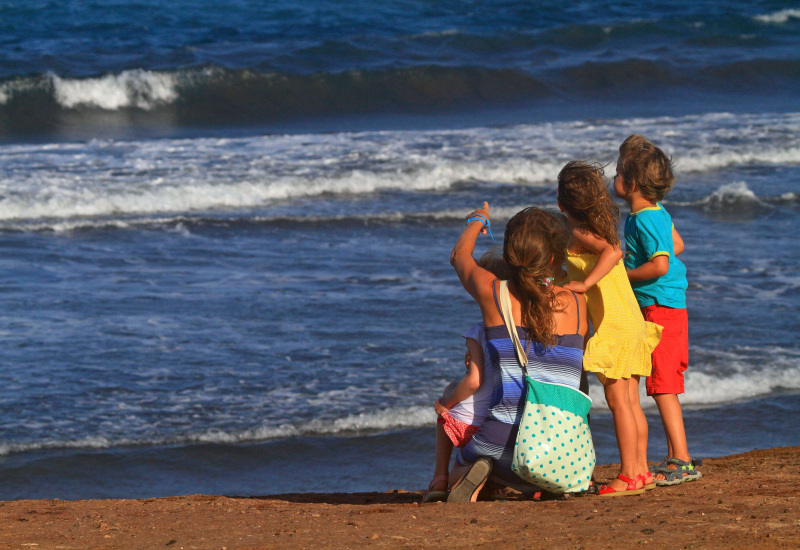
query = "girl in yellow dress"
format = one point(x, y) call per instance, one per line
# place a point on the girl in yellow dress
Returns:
point(619, 351)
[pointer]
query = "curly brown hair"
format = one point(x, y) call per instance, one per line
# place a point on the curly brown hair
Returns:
point(645, 165)
point(533, 248)
point(583, 193)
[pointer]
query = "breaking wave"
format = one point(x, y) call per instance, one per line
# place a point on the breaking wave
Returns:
point(216, 96)
point(357, 424)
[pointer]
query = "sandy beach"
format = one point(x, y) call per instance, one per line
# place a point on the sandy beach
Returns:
point(746, 500)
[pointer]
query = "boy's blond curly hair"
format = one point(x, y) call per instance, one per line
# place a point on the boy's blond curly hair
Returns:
point(645, 165)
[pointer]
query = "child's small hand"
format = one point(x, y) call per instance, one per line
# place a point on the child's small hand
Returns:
point(576, 286)
point(467, 360)
point(439, 407)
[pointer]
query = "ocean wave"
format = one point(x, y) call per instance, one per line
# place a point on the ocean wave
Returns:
point(370, 422)
point(732, 195)
point(788, 198)
point(130, 89)
point(743, 379)
point(737, 197)
point(212, 95)
point(357, 424)
point(90, 207)
point(189, 223)
point(705, 161)
point(779, 17)
point(718, 377)
point(63, 186)
point(703, 389)
point(731, 198)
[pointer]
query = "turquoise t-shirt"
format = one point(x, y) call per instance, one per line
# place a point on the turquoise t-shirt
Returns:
point(648, 233)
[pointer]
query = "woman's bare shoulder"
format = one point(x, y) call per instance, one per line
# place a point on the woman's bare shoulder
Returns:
point(569, 311)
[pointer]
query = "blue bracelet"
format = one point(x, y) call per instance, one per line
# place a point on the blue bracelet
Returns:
point(486, 223)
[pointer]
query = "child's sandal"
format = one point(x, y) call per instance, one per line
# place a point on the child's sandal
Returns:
point(631, 489)
point(436, 496)
point(661, 466)
point(685, 471)
point(648, 481)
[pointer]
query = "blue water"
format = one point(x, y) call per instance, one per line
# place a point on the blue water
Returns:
point(225, 226)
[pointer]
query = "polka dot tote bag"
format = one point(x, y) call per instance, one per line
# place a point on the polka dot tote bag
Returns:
point(554, 448)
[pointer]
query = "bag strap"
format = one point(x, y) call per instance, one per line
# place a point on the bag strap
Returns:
point(508, 317)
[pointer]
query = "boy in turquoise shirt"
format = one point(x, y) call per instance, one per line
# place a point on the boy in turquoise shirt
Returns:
point(644, 176)
point(649, 234)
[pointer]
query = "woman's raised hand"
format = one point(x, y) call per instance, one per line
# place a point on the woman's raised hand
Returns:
point(481, 213)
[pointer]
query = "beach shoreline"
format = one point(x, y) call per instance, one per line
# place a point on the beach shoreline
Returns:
point(747, 499)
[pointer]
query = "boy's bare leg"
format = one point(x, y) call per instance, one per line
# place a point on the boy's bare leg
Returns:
point(642, 428)
point(672, 418)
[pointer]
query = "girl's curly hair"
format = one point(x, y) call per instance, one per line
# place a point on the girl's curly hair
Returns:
point(583, 193)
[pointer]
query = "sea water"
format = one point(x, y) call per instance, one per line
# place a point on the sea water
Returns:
point(225, 227)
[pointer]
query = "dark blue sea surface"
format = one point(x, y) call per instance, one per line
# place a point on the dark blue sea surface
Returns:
point(225, 227)
point(76, 69)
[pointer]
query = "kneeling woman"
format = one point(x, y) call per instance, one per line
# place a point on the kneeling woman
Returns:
point(551, 323)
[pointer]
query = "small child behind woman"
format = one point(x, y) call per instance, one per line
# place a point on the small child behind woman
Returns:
point(464, 404)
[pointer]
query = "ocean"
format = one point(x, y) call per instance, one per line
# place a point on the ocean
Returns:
point(225, 226)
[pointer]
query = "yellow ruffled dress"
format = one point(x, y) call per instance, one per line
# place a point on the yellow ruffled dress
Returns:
point(622, 341)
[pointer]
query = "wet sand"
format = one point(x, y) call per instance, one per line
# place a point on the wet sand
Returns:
point(748, 500)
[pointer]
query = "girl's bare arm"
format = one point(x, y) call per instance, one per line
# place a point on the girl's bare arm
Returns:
point(471, 381)
point(607, 257)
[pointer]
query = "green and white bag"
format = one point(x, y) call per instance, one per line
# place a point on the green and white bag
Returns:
point(554, 448)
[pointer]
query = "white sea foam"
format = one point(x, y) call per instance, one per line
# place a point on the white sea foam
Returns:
point(181, 222)
point(706, 385)
point(731, 194)
point(70, 201)
point(368, 422)
point(779, 17)
point(748, 374)
point(11, 88)
point(57, 183)
point(137, 88)
point(375, 421)
point(92, 442)
point(705, 160)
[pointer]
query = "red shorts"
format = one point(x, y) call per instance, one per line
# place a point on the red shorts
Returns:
point(671, 356)
point(460, 433)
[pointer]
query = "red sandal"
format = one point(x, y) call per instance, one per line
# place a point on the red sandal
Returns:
point(631, 489)
point(647, 485)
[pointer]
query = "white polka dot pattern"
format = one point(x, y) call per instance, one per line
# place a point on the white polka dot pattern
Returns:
point(554, 448)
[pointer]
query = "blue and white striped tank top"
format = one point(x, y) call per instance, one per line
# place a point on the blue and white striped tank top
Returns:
point(559, 364)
